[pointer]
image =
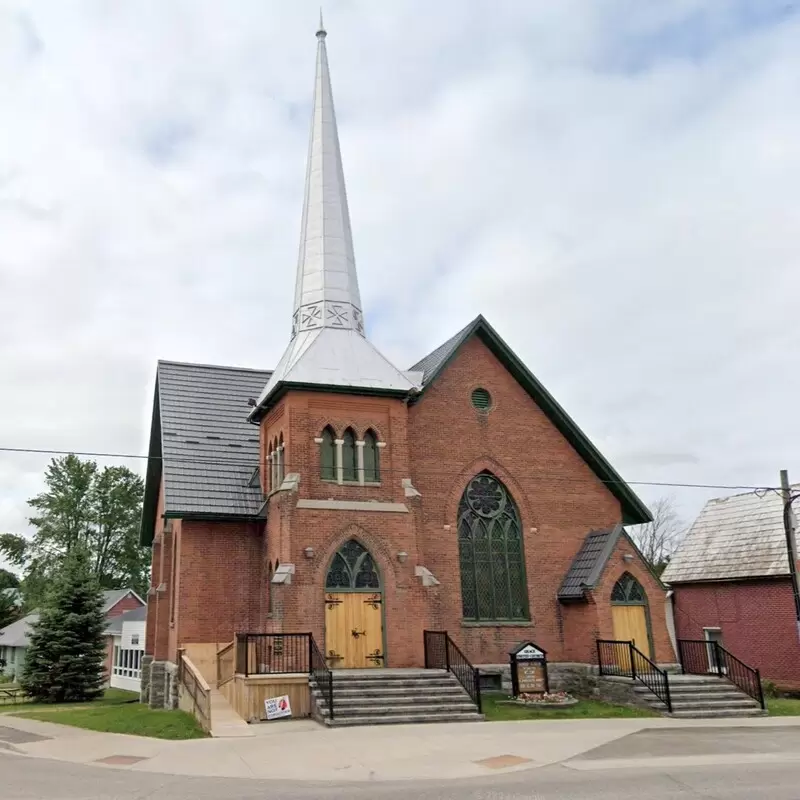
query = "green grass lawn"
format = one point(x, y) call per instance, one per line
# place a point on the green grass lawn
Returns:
point(117, 711)
point(783, 706)
point(496, 711)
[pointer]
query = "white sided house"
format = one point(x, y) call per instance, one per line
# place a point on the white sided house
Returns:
point(126, 647)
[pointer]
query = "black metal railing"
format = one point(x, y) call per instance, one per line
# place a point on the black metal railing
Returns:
point(624, 659)
point(321, 672)
point(441, 652)
point(272, 653)
point(704, 657)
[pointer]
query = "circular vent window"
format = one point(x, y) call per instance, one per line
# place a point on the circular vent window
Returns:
point(481, 399)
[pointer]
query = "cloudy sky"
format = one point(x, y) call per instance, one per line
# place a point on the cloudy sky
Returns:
point(613, 184)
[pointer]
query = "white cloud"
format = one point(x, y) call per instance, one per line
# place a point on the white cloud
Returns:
point(612, 184)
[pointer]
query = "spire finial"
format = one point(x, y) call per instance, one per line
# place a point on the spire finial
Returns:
point(321, 32)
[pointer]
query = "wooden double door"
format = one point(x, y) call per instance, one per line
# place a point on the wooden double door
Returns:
point(354, 629)
point(630, 625)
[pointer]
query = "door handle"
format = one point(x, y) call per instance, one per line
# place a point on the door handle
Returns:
point(356, 633)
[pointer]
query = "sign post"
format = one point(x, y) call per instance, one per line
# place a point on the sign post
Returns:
point(529, 670)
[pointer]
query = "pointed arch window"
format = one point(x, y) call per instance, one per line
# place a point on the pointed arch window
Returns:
point(352, 568)
point(328, 455)
point(349, 456)
point(372, 466)
point(491, 553)
point(628, 591)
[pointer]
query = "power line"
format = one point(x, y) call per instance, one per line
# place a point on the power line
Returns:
point(251, 462)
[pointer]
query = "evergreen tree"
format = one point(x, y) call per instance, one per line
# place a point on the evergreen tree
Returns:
point(9, 611)
point(64, 662)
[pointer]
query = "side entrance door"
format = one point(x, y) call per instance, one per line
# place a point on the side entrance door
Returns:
point(629, 615)
point(353, 610)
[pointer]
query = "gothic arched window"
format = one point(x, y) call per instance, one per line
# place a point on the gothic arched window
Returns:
point(328, 455)
point(352, 568)
point(628, 591)
point(372, 465)
point(491, 552)
point(349, 459)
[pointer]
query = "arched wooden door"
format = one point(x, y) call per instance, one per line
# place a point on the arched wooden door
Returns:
point(353, 610)
point(629, 613)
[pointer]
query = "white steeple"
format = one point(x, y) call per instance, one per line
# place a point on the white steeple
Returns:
point(328, 345)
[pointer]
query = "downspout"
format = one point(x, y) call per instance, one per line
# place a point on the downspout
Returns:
point(669, 615)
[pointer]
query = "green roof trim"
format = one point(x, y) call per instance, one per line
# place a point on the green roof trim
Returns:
point(634, 511)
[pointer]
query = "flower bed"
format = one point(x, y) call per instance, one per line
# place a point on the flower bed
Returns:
point(541, 700)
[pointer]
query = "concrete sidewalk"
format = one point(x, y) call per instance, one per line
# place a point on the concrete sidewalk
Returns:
point(303, 750)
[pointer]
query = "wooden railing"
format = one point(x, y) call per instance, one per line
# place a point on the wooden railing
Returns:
point(226, 663)
point(194, 692)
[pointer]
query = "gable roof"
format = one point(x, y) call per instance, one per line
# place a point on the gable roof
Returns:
point(16, 634)
point(590, 561)
point(202, 444)
point(588, 564)
point(634, 510)
point(112, 596)
point(741, 536)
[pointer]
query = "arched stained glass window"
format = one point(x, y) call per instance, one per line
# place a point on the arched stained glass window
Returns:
point(491, 553)
point(328, 455)
point(372, 468)
point(352, 568)
point(349, 463)
point(629, 591)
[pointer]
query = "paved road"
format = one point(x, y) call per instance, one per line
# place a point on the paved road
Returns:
point(24, 778)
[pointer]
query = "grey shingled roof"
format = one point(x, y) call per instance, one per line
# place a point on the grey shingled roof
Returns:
point(741, 536)
point(134, 615)
point(112, 596)
point(588, 564)
point(16, 634)
point(209, 449)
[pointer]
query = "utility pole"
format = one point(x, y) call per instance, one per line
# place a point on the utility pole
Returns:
point(791, 545)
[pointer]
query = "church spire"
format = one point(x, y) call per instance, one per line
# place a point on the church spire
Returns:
point(326, 291)
point(328, 347)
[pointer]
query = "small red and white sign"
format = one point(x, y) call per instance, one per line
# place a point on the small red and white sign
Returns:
point(277, 707)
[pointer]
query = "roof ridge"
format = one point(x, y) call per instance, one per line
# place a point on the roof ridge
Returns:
point(210, 366)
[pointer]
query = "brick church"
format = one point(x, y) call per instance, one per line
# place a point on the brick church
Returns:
point(341, 494)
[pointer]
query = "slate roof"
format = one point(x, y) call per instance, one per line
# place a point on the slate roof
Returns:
point(588, 564)
point(741, 536)
point(433, 362)
point(209, 449)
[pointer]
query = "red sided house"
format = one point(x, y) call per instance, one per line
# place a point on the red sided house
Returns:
point(365, 503)
point(731, 585)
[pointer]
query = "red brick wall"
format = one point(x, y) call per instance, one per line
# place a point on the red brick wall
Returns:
point(220, 581)
point(756, 618)
point(128, 603)
point(559, 498)
point(656, 600)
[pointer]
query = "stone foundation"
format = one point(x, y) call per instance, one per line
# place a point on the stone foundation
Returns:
point(162, 684)
point(580, 680)
point(144, 692)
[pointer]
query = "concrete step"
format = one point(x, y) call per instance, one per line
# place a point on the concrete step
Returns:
point(740, 702)
point(714, 689)
point(692, 696)
point(449, 690)
point(718, 713)
point(398, 710)
point(408, 719)
point(379, 704)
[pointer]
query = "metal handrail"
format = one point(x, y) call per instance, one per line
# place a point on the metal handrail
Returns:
point(441, 652)
point(320, 672)
point(629, 662)
point(704, 656)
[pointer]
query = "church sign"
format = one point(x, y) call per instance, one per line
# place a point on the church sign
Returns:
point(528, 670)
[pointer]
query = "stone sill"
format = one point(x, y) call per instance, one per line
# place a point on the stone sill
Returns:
point(466, 623)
